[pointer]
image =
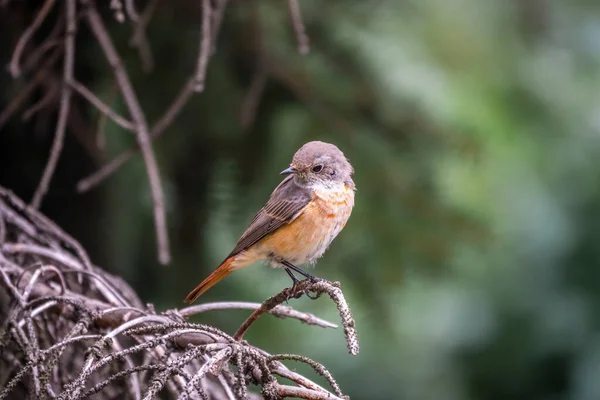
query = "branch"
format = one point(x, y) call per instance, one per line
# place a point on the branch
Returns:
point(139, 39)
point(24, 93)
point(15, 68)
point(142, 135)
point(131, 11)
point(65, 102)
point(72, 332)
point(103, 108)
point(253, 97)
point(279, 311)
point(303, 393)
point(186, 92)
point(298, 25)
point(319, 287)
point(205, 47)
point(49, 97)
point(159, 128)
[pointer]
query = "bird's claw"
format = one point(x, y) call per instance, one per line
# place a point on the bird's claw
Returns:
point(293, 293)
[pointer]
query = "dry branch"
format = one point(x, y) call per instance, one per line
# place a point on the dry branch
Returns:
point(103, 108)
point(159, 128)
point(65, 103)
point(298, 25)
point(15, 64)
point(26, 56)
point(142, 135)
point(72, 331)
point(139, 39)
point(317, 286)
point(205, 46)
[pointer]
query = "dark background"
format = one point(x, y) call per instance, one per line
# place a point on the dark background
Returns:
point(471, 261)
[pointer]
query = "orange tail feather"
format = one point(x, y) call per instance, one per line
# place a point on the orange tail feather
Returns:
point(224, 269)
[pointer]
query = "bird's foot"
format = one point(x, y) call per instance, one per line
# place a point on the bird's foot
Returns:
point(306, 292)
point(295, 293)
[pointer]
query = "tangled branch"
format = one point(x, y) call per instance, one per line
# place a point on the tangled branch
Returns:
point(72, 331)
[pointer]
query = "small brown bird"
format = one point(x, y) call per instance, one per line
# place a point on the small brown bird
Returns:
point(302, 217)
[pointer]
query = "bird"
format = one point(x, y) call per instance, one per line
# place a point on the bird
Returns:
point(303, 215)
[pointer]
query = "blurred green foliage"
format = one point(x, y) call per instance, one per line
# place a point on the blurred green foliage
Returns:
point(472, 258)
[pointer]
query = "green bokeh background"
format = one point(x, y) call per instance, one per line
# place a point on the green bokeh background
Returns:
point(471, 260)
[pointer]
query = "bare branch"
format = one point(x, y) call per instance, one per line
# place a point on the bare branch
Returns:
point(205, 46)
point(131, 11)
point(303, 393)
point(298, 25)
point(319, 287)
point(65, 102)
point(139, 39)
point(49, 43)
point(14, 67)
point(50, 96)
point(253, 97)
point(318, 368)
point(103, 108)
point(24, 93)
point(66, 339)
point(279, 311)
point(159, 128)
point(142, 135)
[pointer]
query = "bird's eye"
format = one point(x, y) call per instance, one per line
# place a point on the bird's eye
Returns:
point(317, 168)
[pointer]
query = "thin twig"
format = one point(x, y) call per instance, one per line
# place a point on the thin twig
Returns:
point(317, 367)
point(117, 7)
point(142, 135)
point(158, 129)
point(15, 68)
point(131, 11)
point(218, 358)
point(174, 109)
point(52, 40)
point(299, 28)
point(139, 39)
point(18, 100)
point(167, 118)
point(253, 97)
point(23, 94)
point(103, 108)
point(281, 370)
point(302, 393)
point(49, 96)
point(65, 102)
point(279, 311)
point(205, 47)
point(142, 22)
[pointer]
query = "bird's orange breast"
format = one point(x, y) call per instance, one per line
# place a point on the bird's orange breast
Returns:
point(307, 237)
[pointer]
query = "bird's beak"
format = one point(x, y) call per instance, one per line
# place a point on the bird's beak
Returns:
point(288, 171)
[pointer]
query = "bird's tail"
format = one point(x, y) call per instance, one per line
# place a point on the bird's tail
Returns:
point(224, 269)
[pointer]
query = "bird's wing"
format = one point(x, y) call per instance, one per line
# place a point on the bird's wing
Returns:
point(286, 203)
